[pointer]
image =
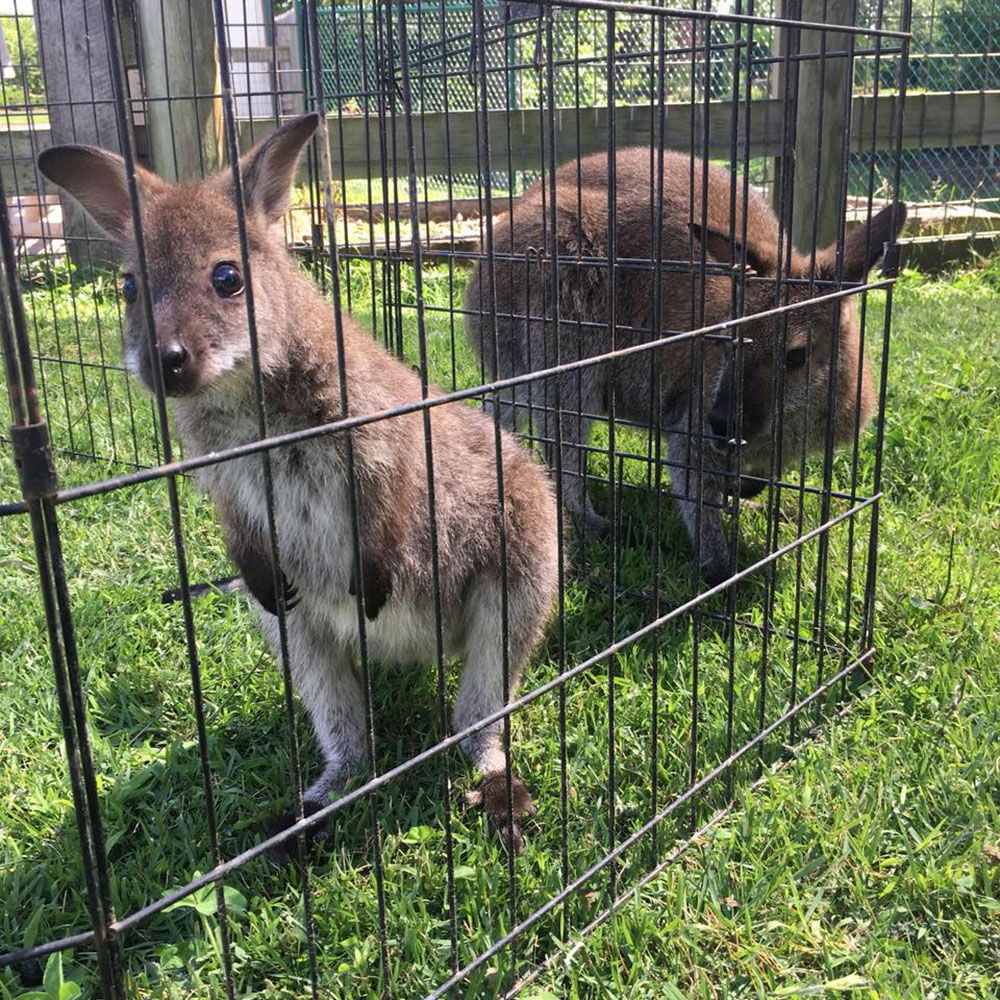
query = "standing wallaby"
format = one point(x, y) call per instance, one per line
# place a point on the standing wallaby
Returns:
point(783, 404)
point(203, 350)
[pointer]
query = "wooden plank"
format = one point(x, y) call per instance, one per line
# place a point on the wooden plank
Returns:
point(19, 145)
point(970, 118)
point(821, 121)
point(434, 210)
point(934, 253)
point(965, 118)
point(76, 61)
point(936, 217)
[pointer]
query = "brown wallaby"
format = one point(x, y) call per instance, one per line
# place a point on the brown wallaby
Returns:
point(782, 405)
point(203, 351)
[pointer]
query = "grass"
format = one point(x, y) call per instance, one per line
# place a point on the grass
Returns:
point(867, 866)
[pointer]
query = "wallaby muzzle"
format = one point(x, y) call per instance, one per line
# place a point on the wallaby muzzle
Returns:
point(176, 366)
point(723, 428)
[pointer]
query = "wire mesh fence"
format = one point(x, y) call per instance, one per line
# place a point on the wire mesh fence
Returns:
point(512, 205)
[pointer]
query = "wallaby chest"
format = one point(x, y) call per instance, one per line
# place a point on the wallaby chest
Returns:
point(308, 487)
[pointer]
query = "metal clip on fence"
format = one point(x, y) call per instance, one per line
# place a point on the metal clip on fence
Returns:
point(33, 457)
point(891, 260)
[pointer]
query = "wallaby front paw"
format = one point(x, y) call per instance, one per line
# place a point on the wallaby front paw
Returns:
point(285, 852)
point(491, 797)
point(596, 527)
point(717, 571)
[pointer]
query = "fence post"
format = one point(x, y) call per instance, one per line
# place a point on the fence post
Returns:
point(73, 44)
point(775, 89)
point(821, 122)
point(181, 84)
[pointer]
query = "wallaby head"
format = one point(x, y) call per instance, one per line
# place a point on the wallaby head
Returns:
point(789, 359)
point(195, 273)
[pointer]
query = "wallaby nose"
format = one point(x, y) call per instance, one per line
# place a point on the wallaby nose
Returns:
point(718, 421)
point(173, 359)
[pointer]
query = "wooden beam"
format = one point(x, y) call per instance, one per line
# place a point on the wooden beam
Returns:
point(962, 118)
point(816, 170)
point(73, 42)
point(936, 253)
point(180, 75)
point(931, 121)
point(969, 118)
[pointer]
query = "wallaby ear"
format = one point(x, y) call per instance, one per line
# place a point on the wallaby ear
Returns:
point(864, 245)
point(269, 168)
point(96, 179)
point(723, 247)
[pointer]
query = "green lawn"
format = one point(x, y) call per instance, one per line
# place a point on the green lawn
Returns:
point(869, 863)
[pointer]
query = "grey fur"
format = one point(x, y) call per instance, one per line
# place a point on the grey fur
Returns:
point(204, 352)
point(578, 229)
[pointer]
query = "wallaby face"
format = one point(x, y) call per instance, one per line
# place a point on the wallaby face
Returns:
point(330, 562)
point(786, 368)
point(788, 364)
point(192, 248)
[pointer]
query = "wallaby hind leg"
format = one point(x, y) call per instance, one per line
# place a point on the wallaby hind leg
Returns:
point(323, 672)
point(481, 693)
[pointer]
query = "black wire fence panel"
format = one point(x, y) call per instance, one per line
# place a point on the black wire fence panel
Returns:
point(510, 199)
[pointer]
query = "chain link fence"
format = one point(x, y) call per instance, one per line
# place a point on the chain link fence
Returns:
point(953, 49)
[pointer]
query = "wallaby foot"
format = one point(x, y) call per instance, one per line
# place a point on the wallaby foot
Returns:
point(717, 571)
point(595, 527)
point(286, 852)
point(491, 797)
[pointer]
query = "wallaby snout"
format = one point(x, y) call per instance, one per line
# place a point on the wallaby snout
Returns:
point(175, 364)
point(720, 420)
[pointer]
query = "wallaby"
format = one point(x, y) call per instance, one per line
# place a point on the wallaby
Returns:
point(782, 405)
point(203, 352)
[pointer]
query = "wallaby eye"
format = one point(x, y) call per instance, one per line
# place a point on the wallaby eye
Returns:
point(795, 358)
point(129, 290)
point(227, 280)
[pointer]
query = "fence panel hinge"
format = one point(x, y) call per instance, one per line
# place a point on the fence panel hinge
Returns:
point(891, 261)
point(33, 457)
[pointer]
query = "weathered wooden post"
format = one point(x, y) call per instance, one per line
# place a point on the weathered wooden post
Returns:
point(821, 84)
point(74, 46)
point(822, 121)
point(181, 85)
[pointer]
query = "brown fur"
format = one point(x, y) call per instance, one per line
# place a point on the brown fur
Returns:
point(526, 337)
point(188, 231)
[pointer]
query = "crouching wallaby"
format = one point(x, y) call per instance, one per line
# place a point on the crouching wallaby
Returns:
point(203, 353)
point(777, 397)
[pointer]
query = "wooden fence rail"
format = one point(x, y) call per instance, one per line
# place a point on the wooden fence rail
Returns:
point(517, 138)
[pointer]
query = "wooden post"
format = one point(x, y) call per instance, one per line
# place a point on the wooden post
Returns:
point(181, 86)
point(819, 139)
point(75, 55)
point(776, 88)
